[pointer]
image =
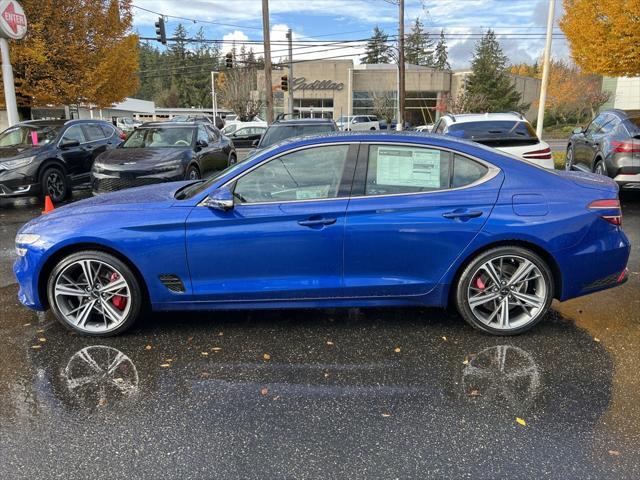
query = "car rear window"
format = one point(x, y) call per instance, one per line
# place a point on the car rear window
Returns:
point(633, 124)
point(277, 133)
point(492, 129)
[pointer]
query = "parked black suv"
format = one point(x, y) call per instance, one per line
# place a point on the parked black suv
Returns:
point(48, 157)
point(284, 128)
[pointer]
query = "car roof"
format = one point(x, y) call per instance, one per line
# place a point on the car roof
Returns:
point(58, 122)
point(172, 124)
point(302, 121)
point(485, 117)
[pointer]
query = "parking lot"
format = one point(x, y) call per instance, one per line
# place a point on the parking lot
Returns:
point(357, 393)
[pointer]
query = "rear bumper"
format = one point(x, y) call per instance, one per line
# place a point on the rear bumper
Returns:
point(628, 180)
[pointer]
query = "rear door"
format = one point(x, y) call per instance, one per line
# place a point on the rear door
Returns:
point(76, 158)
point(413, 210)
point(219, 158)
point(97, 143)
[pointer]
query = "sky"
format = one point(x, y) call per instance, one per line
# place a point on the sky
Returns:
point(338, 28)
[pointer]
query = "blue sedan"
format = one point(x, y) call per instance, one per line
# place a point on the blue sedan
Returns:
point(346, 220)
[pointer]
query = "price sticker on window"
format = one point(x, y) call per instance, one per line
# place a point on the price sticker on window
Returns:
point(415, 167)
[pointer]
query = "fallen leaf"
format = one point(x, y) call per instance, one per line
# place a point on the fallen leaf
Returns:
point(204, 354)
point(465, 362)
point(397, 349)
point(26, 324)
point(444, 338)
point(220, 334)
point(475, 393)
point(216, 349)
point(521, 421)
point(148, 347)
point(326, 375)
point(189, 339)
point(40, 330)
point(596, 339)
point(42, 339)
point(276, 397)
point(266, 356)
point(169, 360)
point(205, 374)
point(615, 453)
point(329, 342)
point(386, 414)
point(36, 346)
point(102, 402)
point(264, 391)
point(165, 365)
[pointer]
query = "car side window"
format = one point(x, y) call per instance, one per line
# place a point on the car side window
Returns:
point(313, 173)
point(610, 124)
point(394, 169)
point(108, 130)
point(466, 171)
point(595, 124)
point(93, 132)
point(202, 134)
point(74, 133)
point(214, 135)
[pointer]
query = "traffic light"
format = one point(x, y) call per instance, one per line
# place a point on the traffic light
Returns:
point(161, 36)
point(228, 60)
point(284, 83)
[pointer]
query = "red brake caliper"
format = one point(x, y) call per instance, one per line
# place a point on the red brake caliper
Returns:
point(479, 283)
point(118, 301)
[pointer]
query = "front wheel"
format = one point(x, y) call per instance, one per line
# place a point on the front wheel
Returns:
point(192, 173)
point(53, 183)
point(600, 168)
point(505, 291)
point(568, 164)
point(94, 293)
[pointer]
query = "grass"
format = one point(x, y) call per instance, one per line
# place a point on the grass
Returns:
point(558, 160)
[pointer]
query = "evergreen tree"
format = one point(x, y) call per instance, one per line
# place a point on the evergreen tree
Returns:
point(441, 56)
point(418, 46)
point(377, 49)
point(489, 83)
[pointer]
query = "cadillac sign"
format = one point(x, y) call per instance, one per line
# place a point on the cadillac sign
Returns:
point(301, 83)
point(13, 22)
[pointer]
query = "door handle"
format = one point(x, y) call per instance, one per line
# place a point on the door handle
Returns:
point(462, 214)
point(314, 222)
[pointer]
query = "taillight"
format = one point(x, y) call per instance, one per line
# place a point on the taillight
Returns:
point(544, 154)
point(122, 135)
point(613, 214)
point(626, 147)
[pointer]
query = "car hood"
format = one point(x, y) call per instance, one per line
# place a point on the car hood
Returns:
point(9, 153)
point(139, 156)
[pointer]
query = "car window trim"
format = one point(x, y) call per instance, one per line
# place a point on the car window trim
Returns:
point(363, 165)
point(347, 172)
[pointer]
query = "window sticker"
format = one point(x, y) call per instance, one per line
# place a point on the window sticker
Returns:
point(408, 167)
point(34, 137)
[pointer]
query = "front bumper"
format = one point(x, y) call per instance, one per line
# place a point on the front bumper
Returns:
point(17, 182)
point(25, 269)
point(106, 181)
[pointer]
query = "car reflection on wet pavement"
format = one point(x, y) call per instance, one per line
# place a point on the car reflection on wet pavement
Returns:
point(357, 393)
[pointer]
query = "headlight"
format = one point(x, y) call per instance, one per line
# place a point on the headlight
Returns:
point(25, 239)
point(170, 163)
point(17, 163)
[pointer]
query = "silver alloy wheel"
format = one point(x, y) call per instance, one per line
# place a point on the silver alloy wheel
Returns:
point(568, 164)
point(507, 292)
point(55, 185)
point(92, 295)
point(193, 174)
point(600, 170)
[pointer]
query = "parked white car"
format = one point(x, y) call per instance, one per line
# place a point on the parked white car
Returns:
point(508, 132)
point(424, 128)
point(358, 123)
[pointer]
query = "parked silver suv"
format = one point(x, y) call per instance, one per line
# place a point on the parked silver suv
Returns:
point(610, 146)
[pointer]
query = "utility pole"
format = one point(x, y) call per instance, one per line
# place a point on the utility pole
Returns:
point(9, 88)
point(545, 70)
point(267, 60)
point(290, 92)
point(401, 82)
point(214, 100)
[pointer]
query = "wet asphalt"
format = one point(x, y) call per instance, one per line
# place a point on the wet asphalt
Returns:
point(353, 393)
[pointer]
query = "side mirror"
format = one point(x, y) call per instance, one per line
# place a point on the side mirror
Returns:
point(202, 144)
point(578, 130)
point(69, 143)
point(220, 199)
point(255, 143)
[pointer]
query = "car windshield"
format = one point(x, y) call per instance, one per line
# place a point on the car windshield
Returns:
point(29, 135)
point(277, 133)
point(160, 137)
point(498, 129)
point(229, 129)
point(344, 119)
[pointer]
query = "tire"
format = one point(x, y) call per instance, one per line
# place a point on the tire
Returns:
point(54, 182)
point(94, 308)
point(600, 168)
point(192, 173)
point(568, 163)
point(526, 301)
point(233, 159)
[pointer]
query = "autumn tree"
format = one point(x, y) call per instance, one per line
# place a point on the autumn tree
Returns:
point(236, 87)
point(377, 49)
point(604, 35)
point(384, 105)
point(76, 51)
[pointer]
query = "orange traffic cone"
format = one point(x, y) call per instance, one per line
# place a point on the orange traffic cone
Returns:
point(48, 205)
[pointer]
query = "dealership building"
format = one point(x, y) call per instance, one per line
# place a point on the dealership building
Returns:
point(333, 88)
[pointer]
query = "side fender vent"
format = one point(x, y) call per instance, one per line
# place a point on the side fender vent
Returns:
point(172, 282)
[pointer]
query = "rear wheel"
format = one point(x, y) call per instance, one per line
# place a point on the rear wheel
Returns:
point(505, 291)
point(192, 173)
point(600, 168)
point(94, 293)
point(53, 182)
point(233, 159)
point(568, 164)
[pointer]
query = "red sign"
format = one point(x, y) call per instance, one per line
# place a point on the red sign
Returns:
point(14, 19)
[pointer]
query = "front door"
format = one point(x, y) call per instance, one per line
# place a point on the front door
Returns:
point(76, 158)
point(416, 210)
point(283, 240)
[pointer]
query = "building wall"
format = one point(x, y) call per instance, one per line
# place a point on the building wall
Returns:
point(625, 92)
